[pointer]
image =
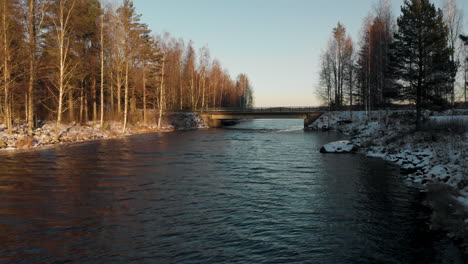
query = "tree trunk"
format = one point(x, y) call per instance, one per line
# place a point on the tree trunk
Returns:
point(125, 99)
point(181, 95)
point(203, 92)
point(161, 93)
point(61, 28)
point(93, 97)
point(466, 72)
point(144, 95)
point(351, 93)
point(111, 94)
point(71, 110)
point(215, 86)
point(60, 96)
point(418, 102)
point(61, 84)
point(6, 72)
point(102, 70)
point(32, 64)
point(86, 108)
point(119, 94)
point(81, 103)
point(192, 93)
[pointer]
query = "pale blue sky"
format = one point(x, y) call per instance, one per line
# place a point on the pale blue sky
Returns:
point(277, 43)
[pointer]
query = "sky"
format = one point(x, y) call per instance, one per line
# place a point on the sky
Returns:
point(277, 43)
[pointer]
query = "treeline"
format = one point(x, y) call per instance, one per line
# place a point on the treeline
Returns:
point(82, 60)
point(413, 59)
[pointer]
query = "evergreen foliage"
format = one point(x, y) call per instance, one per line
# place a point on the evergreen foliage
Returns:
point(421, 56)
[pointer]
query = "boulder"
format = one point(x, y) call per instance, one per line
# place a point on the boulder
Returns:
point(343, 146)
point(3, 143)
point(26, 142)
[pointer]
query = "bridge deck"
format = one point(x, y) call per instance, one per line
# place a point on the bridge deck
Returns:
point(246, 115)
point(214, 117)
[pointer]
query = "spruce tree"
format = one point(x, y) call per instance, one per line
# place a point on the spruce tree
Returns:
point(421, 56)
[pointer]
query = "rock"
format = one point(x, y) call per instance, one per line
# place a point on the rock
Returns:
point(47, 139)
point(3, 143)
point(26, 142)
point(343, 146)
point(408, 169)
point(438, 171)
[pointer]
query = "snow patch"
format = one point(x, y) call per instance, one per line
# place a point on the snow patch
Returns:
point(343, 146)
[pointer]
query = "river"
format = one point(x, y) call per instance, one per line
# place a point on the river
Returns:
point(259, 192)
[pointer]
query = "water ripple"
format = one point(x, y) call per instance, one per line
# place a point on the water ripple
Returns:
point(261, 193)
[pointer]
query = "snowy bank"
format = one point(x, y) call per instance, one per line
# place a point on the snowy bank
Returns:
point(45, 135)
point(437, 155)
point(343, 146)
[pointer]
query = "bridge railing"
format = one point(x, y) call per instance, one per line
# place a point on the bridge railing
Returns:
point(268, 110)
point(307, 109)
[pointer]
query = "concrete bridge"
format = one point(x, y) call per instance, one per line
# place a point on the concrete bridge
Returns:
point(214, 117)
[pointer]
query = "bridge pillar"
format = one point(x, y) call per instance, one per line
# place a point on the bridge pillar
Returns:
point(310, 118)
point(211, 122)
point(215, 123)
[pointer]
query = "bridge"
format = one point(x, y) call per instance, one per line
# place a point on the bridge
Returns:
point(214, 117)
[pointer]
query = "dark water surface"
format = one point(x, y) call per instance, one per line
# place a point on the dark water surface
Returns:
point(259, 193)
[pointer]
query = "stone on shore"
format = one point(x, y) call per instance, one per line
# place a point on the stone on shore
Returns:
point(27, 142)
point(343, 146)
point(3, 143)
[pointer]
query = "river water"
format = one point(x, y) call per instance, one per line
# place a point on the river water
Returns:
point(259, 192)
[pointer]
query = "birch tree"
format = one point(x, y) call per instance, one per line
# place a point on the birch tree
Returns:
point(188, 79)
point(453, 21)
point(65, 66)
point(464, 39)
point(102, 68)
point(162, 99)
point(336, 60)
point(204, 68)
point(128, 19)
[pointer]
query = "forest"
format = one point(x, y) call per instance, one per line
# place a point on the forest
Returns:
point(90, 60)
point(419, 58)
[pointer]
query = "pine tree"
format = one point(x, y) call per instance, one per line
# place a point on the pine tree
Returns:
point(85, 28)
point(132, 33)
point(422, 56)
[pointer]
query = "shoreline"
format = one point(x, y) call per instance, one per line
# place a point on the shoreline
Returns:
point(44, 137)
point(78, 142)
point(433, 160)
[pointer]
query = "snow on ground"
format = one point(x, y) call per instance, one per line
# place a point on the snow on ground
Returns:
point(436, 155)
point(462, 118)
point(343, 146)
point(45, 135)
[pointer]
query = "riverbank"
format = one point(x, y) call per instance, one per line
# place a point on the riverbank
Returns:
point(434, 159)
point(73, 132)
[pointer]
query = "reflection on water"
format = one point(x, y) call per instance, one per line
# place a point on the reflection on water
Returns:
point(256, 193)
